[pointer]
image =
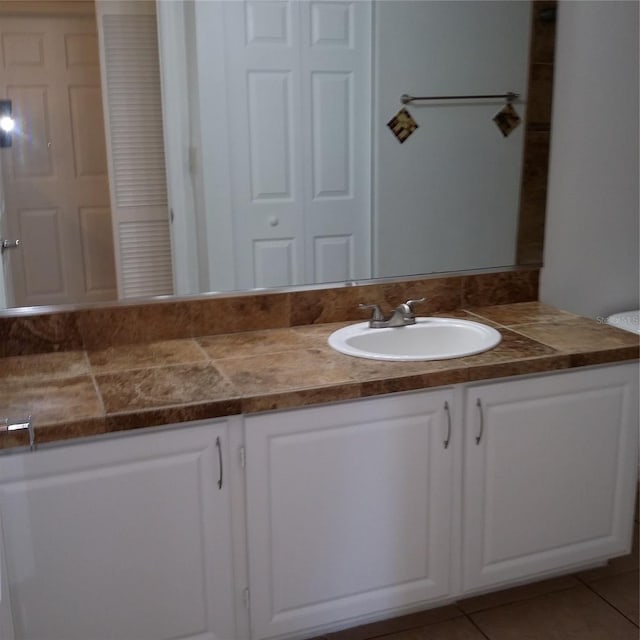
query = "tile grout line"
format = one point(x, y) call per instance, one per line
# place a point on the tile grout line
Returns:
point(475, 624)
point(391, 634)
point(522, 599)
point(624, 615)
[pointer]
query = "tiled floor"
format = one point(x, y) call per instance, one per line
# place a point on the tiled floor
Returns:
point(600, 604)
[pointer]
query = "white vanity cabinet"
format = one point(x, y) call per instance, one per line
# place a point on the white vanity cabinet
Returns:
point(349, 510)
point(121, 539)
point(549, 473)
point(321, 517)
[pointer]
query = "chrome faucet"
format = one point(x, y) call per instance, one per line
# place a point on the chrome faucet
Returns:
point(402, 315)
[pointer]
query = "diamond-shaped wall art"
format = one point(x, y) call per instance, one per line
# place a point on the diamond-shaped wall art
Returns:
point(507, 119)
point(402, 125)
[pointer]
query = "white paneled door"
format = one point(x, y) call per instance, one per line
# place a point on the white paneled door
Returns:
point(122, 539)
point(55, 173)
point(550, 469)
point(6, 619)
point(348, 510)
point(297, 113)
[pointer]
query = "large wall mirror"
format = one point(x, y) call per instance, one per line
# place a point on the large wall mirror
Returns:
point(187, 146)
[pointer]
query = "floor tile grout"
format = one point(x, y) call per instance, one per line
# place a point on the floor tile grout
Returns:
point(521, 599)
point(624, 615)
point(475, 625)
point(579, 583)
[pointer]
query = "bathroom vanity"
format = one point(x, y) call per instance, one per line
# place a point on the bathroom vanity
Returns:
point(286, 520)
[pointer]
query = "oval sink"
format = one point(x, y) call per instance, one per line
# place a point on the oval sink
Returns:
point(428, 339)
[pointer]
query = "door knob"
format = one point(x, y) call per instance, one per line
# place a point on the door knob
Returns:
point(8, 244)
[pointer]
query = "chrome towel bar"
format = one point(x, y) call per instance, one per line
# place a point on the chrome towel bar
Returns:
point(510, 96)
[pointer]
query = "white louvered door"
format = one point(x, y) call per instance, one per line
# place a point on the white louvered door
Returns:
point(133, 114)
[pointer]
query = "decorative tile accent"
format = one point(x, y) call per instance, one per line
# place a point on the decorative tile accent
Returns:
point(402, 125)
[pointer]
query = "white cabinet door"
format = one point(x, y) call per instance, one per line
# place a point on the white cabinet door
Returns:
point(348, 510)
point(6, 620)
point(551, 482)
point(121, 539)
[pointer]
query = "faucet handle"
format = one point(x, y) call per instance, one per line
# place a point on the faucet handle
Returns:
point(410, 303)
point(377, 312)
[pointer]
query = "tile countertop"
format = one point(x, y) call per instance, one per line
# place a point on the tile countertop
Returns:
point(73, 394)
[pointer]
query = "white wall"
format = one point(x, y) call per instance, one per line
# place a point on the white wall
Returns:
point(447, 198)
point(591, 262)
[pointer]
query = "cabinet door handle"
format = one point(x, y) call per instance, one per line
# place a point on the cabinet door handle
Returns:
point(447, 440)
point(219, 448)
point(479, 436)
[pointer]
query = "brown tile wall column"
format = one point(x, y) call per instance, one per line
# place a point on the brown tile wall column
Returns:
point(533, 195)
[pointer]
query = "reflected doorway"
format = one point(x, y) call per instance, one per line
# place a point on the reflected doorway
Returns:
point(55, 177)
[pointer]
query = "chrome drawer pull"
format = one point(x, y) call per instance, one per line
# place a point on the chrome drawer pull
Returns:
point(219, 448)
point(447, 440)
point(479, 436)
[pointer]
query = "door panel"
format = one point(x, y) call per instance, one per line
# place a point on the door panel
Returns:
point(348, 510)
point(545, 487)
point(31, 156)
point(57, 161)
point(298, 117)
point(40, 230)
point(6, 619)
point(122, 539)
point(89, 150)
point(97, 248)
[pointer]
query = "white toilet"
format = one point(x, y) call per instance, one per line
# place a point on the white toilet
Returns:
point(627, 320)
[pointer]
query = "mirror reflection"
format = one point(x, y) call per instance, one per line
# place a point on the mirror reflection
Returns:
point(190, 146)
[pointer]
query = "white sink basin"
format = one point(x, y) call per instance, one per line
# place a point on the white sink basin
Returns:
point(428, 339)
